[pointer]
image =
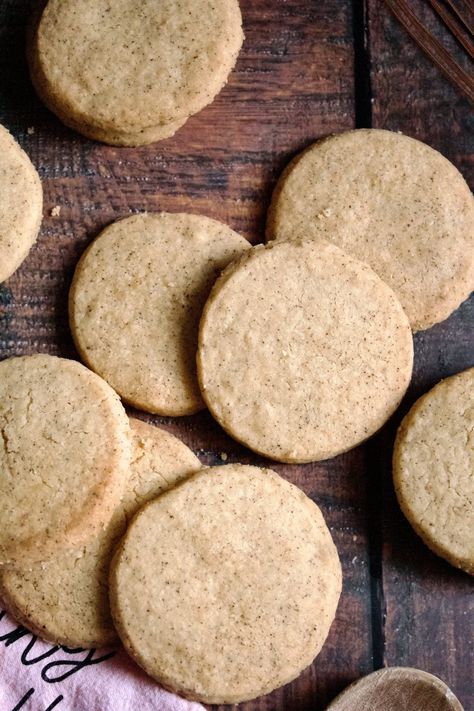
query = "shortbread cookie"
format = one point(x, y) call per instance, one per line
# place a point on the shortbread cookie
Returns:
point(66, 600)
point(392, 202)
point(433, 469)
point(21, 204)
point(112, 137)
point(303, 351)
point(225, 587)
point(127, 70)
point(136, 300)
point(64, 457)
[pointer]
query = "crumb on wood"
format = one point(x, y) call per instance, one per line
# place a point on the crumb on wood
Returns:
point(56, 211)
point(30, 130)
point(224, 456)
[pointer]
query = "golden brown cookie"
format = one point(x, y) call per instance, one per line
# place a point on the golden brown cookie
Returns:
point(114, 138)
point(433, 469)
point(130, 72)
point(66, 599)
point(225, 587)
point(303, 351)
point(64, 457)
point(110, 136)
point(21, 204)
point(390, 201)
point(136, 300)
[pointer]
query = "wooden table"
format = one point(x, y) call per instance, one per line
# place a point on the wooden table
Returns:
point(308, 68)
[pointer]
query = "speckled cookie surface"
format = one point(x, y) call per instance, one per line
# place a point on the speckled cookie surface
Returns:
point(21, 204)
point(136, 300)
point(433, 469)
point(124, 69)
point(66, 599)
point(392, 202)
point(64, 456)
point(303, 351)
point(113, 137)
point(225, 587)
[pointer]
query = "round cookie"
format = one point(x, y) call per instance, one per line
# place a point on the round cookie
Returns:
point(22, 204)
point(433, 466)
point(136, 300)
point(225, 587)
point(304, 352)
point(126, 71)
point(66, 600)
point(64, 456)
point(390, 201)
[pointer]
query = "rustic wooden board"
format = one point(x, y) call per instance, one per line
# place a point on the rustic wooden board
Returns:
point(426, 617)
point(302, 74)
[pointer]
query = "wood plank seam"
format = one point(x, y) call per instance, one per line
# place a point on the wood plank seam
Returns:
point(362, 64)
point(363, 115)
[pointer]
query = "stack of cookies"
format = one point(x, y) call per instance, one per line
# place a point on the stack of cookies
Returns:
point(236, 549)
point(222, 583)
point(129, 75)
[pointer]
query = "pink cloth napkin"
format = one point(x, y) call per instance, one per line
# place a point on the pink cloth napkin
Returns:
point(36, 676)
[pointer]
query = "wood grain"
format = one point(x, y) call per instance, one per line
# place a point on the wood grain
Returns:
point(426, 606)
point(397, 689)
point(303, 73)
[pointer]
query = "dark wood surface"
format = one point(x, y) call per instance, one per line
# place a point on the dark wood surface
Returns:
point(308, 68)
